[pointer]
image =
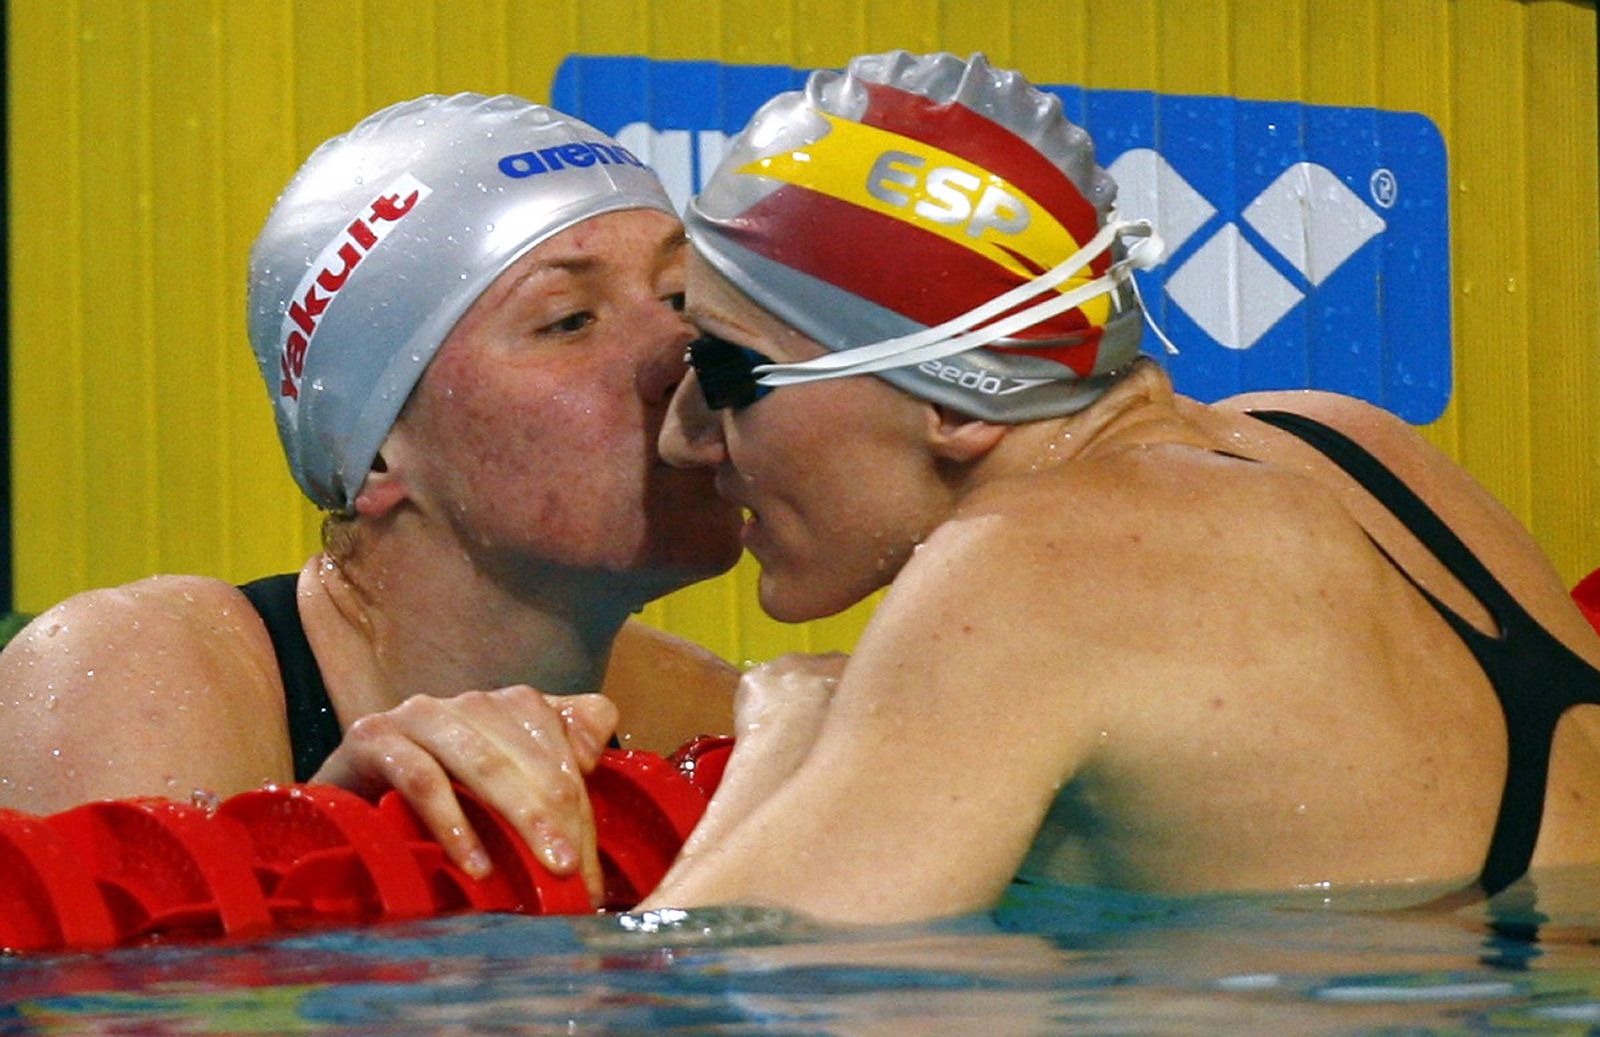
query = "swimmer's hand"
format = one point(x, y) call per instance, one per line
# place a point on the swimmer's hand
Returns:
point(523, 753)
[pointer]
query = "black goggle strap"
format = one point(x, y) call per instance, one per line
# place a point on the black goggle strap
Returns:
point(726, 372)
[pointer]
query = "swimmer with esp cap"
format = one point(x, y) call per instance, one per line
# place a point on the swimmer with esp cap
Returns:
point(466, 312)
point(1129, 639)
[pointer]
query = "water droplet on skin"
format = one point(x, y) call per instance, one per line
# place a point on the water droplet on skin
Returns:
point(205, 799)
point(56, 753)
point(1300, 810)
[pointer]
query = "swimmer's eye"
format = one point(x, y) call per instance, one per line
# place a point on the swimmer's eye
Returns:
point(675, 300)
point(726, 372)
point(570, 323)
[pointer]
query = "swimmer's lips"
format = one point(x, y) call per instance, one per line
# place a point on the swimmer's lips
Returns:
point(752, 518)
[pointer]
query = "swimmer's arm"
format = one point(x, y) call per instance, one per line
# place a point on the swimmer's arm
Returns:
point(157, 688)
point(780, 707)
point(941, 750)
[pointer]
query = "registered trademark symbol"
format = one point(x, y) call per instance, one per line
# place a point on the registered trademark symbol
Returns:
point(1385, 188)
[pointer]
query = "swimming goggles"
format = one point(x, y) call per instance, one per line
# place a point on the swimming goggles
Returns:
point(736, 376)
point(1039, 300)
point(726, 372)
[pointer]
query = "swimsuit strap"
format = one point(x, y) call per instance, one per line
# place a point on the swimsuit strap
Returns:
point(1535, 677)
point(313, 726)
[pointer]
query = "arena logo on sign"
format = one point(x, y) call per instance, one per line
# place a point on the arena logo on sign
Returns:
point(1307, 245)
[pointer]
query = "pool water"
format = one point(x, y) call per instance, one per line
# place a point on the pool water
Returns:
point(1050, 960)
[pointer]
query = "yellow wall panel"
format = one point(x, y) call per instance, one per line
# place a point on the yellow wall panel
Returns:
point(49, 515)
point(1490, 255)
point(116, 310)
point(148, 139)
point(1558, 232)
point(1063, 47)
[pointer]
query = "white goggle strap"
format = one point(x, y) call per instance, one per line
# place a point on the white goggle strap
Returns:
point(957, 335)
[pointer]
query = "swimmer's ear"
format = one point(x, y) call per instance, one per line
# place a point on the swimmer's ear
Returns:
point(960, 437)
point(382, 490)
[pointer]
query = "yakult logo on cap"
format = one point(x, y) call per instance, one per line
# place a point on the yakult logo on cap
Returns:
point(329, 273)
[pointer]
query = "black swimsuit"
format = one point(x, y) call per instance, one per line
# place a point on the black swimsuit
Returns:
point(1535, 677)
point(313, 727)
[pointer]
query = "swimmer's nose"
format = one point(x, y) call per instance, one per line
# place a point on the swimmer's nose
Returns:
point(665, 337)
point(692, 434)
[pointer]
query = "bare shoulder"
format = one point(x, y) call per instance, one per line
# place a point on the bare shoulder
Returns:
point(1389, 438)
point(1373, 427)
point(1159, 513)
point(1487, 527)
point(1156, 568)
point(119, 691)
point(667, 689)
point(175, 618)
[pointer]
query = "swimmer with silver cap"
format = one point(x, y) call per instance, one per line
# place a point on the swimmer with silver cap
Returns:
point(383, 240)
point(1128, 639)
point(466, 311)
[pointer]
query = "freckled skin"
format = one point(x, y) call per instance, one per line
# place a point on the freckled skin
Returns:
point(582, 486)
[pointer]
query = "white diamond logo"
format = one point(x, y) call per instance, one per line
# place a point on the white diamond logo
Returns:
point(1233, 293)
point(1313, 219)
point(1148, 188)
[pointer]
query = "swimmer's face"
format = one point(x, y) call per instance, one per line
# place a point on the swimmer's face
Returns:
point(533, 432)
point(833, 475)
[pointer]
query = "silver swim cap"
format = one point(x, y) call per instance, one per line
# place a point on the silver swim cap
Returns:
point(935, 221)
point(383, 240)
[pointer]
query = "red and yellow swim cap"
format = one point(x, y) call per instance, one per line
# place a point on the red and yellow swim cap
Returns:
point(903, 194)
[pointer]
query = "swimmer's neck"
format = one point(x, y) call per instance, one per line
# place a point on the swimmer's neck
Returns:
point(1139, 409)
point(385, 627)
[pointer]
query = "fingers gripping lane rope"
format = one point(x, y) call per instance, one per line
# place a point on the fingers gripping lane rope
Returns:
point(120, 872)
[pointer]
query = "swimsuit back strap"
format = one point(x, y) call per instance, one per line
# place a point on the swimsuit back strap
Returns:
point(1535, 677)
point(313, 726)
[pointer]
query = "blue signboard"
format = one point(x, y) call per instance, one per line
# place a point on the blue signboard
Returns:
point(1307, 245)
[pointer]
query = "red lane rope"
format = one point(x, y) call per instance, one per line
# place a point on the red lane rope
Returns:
point(129, 871)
